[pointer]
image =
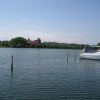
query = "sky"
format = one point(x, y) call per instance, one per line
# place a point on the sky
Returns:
point(68, 21)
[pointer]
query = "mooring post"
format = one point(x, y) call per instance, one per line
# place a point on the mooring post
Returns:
point(67, 58)
point(75, 56)
point(11, 63)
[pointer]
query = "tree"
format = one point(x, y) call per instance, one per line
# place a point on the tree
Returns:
point(98, 44)
point(18, 42)
point(4, 43)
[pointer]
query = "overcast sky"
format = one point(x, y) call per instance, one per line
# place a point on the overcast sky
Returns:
point(70, 21)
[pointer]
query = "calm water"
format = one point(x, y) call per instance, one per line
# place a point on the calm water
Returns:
point(44, 74)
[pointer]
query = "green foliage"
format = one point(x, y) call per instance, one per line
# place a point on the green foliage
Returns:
point(4, 43)
point(18, 42)
point(61, 45)
point(98, 44)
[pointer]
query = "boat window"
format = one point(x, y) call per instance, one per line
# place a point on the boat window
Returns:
point(90, 50)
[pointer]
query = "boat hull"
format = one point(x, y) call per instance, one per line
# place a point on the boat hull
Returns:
point(95, 56)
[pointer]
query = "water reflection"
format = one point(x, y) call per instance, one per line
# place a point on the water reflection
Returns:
point(11, 74)
point(11, 79)
point(38, 58)
point(89, 71)
point(89, 66)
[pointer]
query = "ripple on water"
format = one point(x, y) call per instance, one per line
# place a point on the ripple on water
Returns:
point(44, 74)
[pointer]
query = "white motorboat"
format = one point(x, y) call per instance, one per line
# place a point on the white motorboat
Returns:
point(92, 52)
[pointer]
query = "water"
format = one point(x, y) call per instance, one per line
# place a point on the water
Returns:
point(44, 74)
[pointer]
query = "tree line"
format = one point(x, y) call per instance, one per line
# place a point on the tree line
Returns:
point(20, 42)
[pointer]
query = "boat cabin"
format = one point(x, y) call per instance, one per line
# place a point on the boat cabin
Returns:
point(91, 49)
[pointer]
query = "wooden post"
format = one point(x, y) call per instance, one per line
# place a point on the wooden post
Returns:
point(67, 62)
point(75, 56)
point(67, 58)
point(11, 63)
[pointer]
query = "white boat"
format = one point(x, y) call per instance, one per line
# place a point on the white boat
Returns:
point(92, 52)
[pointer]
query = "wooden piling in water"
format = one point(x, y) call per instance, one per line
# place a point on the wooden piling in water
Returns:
point(67, 58)
point(75, 56)
point(11, 63)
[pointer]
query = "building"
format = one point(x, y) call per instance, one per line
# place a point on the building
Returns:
point(38, 41)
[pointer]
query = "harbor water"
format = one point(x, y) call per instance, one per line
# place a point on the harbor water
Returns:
point(48, 74)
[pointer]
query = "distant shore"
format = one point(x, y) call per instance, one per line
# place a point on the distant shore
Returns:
point(20, 42)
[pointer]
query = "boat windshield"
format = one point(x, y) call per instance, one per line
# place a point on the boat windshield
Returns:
point(90, 50)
